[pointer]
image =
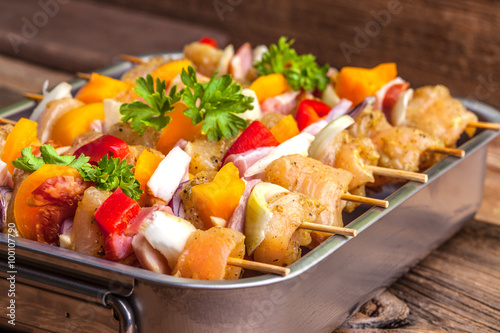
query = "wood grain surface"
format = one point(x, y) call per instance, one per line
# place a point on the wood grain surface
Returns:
point(455, 43)
point(457, 287)
point(82, 36)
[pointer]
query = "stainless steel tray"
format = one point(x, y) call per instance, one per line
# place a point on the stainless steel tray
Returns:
point(59, 290)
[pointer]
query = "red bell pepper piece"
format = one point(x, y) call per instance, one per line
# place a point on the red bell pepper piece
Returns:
point(115, 213)
point(104, 145)
point(310, 111)
point(256, 135)
point(209, 41)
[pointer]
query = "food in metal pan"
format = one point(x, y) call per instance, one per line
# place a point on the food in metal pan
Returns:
point(220, 160)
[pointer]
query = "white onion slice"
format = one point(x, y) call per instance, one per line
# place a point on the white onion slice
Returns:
point(62, 90)
point(258, 214)
point(171, 171)
point(342, 108)
point(299, 144)
point(111, 113)
point(325, 137)
point(167, 234)
point(256, 112)
point(398, 112)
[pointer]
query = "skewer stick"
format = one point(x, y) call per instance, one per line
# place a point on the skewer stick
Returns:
point(328, 228)
point(258, 266)
point(448, 151)
point(7, 121)
point(483, 124)
point(131, 58)
point(419, 177)
point(85, 76)
point(369, 201)
point(36, 97)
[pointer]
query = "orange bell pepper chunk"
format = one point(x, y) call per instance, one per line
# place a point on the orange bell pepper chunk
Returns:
point(220, 197)
point(99, 88)
point(22, 135)
point(170, 70)
point(180, 127)
point(269, 86)
point(285, 129)
point(25, 216)
point(146, 165)
point(76, 122)
point(356, 83)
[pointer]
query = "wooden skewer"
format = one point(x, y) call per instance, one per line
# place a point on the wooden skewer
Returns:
point(131, 58)
point(369, 201)
point(36, 97)
point(328, 228)
point(485, 125)
point(7, 121)
point(85, 76)
point(258, 266)
point(448, 151)
point(419, 177)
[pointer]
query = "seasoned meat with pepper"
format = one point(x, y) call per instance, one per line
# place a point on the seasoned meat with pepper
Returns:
point(433, 110)
point(282, 240)
point(312, 178)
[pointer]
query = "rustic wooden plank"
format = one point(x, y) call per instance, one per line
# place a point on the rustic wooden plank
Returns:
point(457, 287)
point(83, 35)
point(21, 76)
point(455, 43)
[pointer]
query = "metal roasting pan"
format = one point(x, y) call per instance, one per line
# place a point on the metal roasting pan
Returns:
point(58, 290)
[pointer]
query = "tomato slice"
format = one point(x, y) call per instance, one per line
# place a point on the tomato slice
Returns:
point(26, 217)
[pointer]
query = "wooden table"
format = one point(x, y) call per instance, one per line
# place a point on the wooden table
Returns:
point(456, 288)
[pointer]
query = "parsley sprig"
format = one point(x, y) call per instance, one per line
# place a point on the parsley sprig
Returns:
point(108, 174)
point(301, 71)
point(29, 162)
point(216, 103)
point(155, 112)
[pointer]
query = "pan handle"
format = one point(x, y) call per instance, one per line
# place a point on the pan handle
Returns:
point(124, 312)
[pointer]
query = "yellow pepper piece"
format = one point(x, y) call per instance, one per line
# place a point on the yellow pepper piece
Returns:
point(180, 127)
point(99, 88)
point(285, 129)
point(168, 71)
point(22, 135)
point(269, 86)
point(356, 83)
point(220, 197)
point(76, 122)
point(146, 165)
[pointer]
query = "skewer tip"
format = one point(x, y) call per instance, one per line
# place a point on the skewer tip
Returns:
point(131, 58)
point(85, 76)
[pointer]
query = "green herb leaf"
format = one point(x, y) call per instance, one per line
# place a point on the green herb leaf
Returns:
point(300, 71)
point(110, 174)
point(155, 113)
point(29, 162)
point(216, 103)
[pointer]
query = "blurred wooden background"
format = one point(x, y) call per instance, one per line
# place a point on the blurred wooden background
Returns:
point(456, 43)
